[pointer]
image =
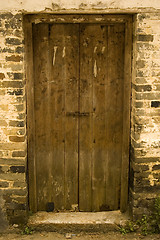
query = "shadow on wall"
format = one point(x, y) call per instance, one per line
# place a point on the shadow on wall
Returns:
point(3, 218)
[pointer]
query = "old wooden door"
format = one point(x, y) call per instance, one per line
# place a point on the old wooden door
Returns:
point(78, 108)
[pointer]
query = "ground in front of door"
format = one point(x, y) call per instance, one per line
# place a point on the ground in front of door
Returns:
point(80, 236)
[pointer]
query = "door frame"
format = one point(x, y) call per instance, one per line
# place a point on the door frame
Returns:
point(28, 21)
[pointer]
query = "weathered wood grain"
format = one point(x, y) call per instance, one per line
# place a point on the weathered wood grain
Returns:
point(42, 114)
point(85, 123)
point(99, 74)
point(64, 87)
point(101, 69)
point(126, 114)
point(31, 163)
point(80, 105)
point(114, 112)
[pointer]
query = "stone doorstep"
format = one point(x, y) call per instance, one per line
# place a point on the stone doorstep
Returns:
point(78, 221)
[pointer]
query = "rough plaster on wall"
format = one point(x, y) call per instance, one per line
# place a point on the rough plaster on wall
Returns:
point(41, 5)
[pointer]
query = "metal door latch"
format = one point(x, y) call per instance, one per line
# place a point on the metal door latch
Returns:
point(77, 114)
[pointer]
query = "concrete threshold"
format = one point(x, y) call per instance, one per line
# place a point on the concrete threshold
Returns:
point(65, 222)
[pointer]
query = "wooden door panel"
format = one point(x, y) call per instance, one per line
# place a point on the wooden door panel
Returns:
point(57, 147)
point(101, 69)
point(94, 39)
point(78, 71)
point(64, 84)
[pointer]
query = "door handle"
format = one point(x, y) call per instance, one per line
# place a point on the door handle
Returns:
point(77, 114)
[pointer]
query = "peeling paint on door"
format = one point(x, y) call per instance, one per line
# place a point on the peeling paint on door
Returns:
point(54, 56)
point(95, 69)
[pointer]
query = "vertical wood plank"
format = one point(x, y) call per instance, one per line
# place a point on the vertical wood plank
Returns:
point(42, 113)
point(57, 115)
point(114, 111)
point(126, 114)
point(99, 75)
point(71, 122)
point(86, 122)
point(64, 97)
point(30, 114)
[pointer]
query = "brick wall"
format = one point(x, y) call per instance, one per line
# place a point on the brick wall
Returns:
point(13, 189)
point(145, 120)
